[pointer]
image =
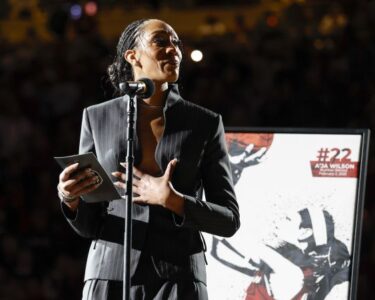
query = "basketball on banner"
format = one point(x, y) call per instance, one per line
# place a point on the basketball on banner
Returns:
point(242, 140)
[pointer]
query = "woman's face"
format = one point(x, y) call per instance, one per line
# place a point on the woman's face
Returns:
point(288, 229)
point(158, 54)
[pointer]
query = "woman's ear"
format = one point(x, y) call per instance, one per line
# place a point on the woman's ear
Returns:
point(131, 57)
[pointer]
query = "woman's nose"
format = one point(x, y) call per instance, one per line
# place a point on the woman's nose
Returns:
point(172, 47)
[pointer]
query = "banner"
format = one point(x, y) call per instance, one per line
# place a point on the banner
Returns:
point(301, 199)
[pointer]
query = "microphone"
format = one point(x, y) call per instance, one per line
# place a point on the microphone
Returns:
point(143, 87)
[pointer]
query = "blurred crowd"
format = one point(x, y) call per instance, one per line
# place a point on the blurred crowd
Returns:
point(294, 70)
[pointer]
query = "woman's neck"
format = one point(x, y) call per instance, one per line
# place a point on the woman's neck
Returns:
point(158, 98)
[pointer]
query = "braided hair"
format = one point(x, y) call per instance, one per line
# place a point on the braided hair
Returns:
point(121, 70)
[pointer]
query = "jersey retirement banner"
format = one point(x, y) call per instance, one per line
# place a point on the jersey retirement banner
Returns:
point(300, 193)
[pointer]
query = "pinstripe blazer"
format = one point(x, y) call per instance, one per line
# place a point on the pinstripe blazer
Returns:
point(193, 135)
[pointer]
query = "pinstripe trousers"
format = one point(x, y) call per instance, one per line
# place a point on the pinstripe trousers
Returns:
point(96, 289)
point(146, 285)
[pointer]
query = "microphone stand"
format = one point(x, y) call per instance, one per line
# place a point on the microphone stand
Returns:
point(146, 88)
point(131, 111)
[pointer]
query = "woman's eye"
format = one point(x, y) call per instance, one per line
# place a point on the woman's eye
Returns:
point(161, 42)
point(164, 42)
point(177, 43)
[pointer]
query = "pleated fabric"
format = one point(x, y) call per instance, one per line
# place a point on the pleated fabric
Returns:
point(96, 289)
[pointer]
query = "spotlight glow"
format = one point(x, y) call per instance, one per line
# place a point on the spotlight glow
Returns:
point(91, 8)
point(75, 11)
point(196, 55)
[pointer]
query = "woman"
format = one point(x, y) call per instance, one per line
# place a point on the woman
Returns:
point(179, 150)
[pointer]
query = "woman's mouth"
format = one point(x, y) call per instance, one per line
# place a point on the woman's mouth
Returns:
point(173, 62)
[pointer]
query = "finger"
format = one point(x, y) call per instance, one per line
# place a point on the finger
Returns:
point(249, 148)
point(119, 175)
point(88, 189)
point(139, 200)
point(170, 168)
point(136, 181)
point(76, 178)
point(69, 184)
point(85, 184)
point(136, 190)
point(120, 184)
point(64, 175)
point(258, 154)
point(81, 175)
point(261, 151)
point(137, 173)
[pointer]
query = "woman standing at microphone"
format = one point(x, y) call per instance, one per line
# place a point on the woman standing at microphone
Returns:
point(179, 151)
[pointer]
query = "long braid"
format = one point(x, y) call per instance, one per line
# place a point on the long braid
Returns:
point(120, 70)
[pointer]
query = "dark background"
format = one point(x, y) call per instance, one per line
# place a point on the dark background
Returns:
point(266, 63)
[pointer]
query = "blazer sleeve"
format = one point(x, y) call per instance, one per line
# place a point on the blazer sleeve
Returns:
point(219, 214)
point(88, 217)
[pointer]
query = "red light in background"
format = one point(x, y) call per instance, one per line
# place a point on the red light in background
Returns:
point(272, 21)
point(91, 8)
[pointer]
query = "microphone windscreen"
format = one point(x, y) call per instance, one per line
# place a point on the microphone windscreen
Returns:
point(150, 88)
point(122, 87)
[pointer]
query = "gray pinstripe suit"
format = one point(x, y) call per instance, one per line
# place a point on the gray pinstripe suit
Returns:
point(193, 135)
